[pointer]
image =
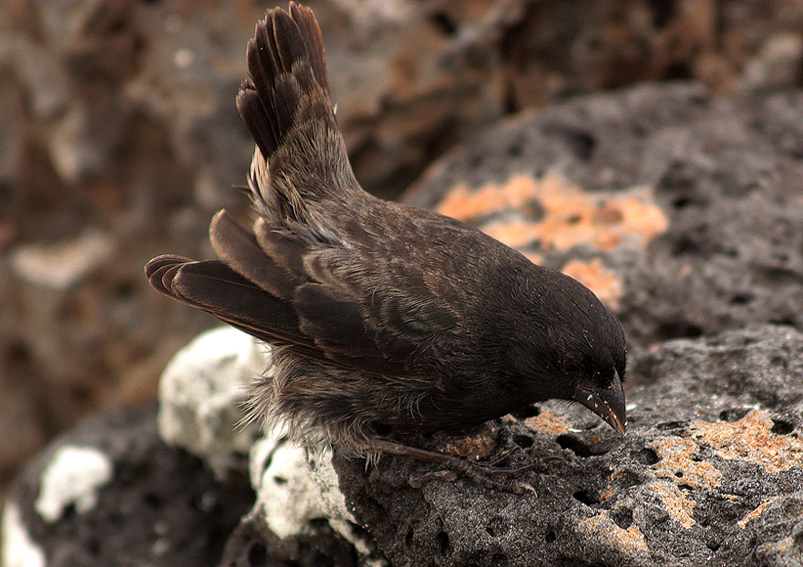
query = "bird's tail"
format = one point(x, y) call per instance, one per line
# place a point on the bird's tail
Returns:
point(287, 76)
point(286, 107)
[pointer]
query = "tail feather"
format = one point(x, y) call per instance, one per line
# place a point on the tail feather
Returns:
point(311, 33)
point(256, 119)
point(301, 160)
point(287, 69)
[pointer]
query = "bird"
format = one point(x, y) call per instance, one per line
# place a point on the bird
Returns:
point(384, 318)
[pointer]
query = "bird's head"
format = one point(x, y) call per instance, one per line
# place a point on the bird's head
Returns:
point(592, 356)
point(567, 345)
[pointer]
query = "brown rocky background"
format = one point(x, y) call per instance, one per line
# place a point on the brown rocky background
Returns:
point(119, 139)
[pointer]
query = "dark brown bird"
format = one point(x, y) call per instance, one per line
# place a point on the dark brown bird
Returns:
point(384, 316)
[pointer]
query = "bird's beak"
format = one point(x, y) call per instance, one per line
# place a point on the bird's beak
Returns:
point(609, 403)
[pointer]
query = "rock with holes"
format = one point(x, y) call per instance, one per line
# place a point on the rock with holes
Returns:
point(710, 473)
point(111, 492)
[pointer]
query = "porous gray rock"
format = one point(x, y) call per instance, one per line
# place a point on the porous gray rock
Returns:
point(708, 474)
point(110, 492)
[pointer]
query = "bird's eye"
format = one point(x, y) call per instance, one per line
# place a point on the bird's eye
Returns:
point(601, 379)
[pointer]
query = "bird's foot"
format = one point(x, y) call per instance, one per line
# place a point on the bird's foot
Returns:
point(488, 474)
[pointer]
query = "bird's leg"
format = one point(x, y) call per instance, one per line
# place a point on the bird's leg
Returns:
point(493, 468)
point(486, 474)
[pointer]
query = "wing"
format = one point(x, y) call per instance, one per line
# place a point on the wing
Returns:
point(326, 303)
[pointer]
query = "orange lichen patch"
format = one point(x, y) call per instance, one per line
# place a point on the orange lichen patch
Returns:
point(675, 503)
point(610, 490)
point(475, 446)
point(464, 204)
point(602, 527)
point(514, 233)
point(750, 516)
point(548, 423)
point(571, 216)
point(751, 439)
point(534, 258)
point(676, 463)
point(607, 492)
point(640, 216)
point(603, 282)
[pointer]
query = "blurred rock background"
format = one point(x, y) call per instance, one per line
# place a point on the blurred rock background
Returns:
point(119, 139)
